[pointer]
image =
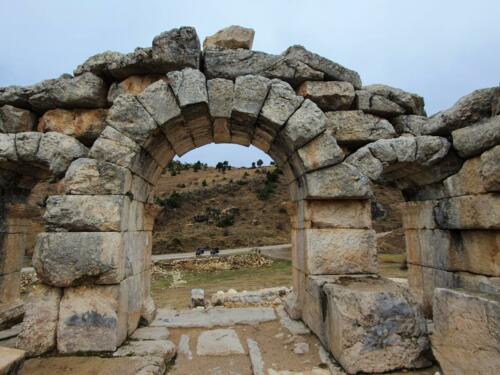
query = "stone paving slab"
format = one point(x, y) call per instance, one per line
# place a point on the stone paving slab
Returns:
point(219, 342)
point(217, 317)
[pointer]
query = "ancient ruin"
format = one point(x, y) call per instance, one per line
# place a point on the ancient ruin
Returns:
point(105, 133)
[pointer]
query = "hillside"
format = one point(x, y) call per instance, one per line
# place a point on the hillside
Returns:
point(226, 212)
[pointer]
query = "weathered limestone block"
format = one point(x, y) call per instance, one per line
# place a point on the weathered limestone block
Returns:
point(411, 124)
point(366, 163)
point(469, 212)
point(58, 151)
point(134, 287)
point(466, 337)
point(71, 258)
point(413, 104)
point(16, 120)
point(490, 169)
point(12, 250)
point(137, 252)
point(39, 327)
point(8, 147)
point(424, 280)
point(92, 319)
point(189, 86)
point(467, 181)
point(473, 140)
point(150, 334)
point(332, 70)
point(9, 287)
point(341, 181)
point(390, 151)
point(219, 342)
point(466, 111)
point(375, 325)
point(322, 151)
point(232, 37)
point(27, 145)
point(85, 91)
point(114, 147)
point(335, 251)
point(431, 150)
point(330, 95)
point(163, 349)
point(337, 214)
point(129, 117)
point(303, 126)
point(357, 128)
point(95, 177)
point(471, 250)
point(84, 125)
point(133, 85)
point(280, 104)
point(104, 213)
point(478, 283)
point(11, 361)
point(377, 104)
point(249, 95)
point(172, 50)
point(220, 103)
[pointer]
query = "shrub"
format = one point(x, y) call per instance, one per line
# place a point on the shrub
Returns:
point(204, 183)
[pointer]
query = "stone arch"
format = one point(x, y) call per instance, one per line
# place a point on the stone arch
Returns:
point(94, 257)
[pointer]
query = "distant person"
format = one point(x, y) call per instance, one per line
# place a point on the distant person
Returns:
point(200, 251)
point(214, 251)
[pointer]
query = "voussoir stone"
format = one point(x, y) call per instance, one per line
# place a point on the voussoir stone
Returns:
point(231, 37)
point(220, 103)
point(249, 95)
point(330, 95)
point(82, 124)
point(90, 176)
point(357, 127)
point(473, 140)
point(366, 163)
point(160, 103)
point(39, 327)
point(332, 70)
point(321, 152)
point(16, 120)
point(280, 104)
point(465, 112)
point(71, 258)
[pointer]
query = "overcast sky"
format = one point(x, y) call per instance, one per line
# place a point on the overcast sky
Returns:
point(440, 49)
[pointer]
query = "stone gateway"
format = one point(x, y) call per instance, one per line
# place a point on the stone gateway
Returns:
point(103, 136)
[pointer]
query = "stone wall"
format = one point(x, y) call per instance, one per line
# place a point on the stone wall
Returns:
point(107, 132)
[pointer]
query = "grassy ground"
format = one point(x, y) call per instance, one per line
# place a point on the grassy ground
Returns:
point(172, 289)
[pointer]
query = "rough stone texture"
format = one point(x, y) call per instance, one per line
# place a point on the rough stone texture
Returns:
point(150, 348)
point(87, 213)
point(466, 111)
point(65, 259)
point(85, 91)
point(330, 95)
point(357, 128)
point(469, 212)
point(95, 177)
point(16, 120)
point(58, 151)
point(468, 180)
point(412, 104)
point(11, 361)
point(150, 333)
point(219, 342)
point(490, 169)
point(332, 70)
point(409, 124)
point(336, 214)
point(304, 125)
point(232, 37)
point(91, 319)
point(473, 140)
point(377, 104)
point(27, 145)
point(370, 319)
point(39, 327)
point(172, 50)
point(366, 163)
point(336, 251)
point(341, 181)
point(84, 125)
point(133, 85)
point(220, 102)
point(322, 151)
point(466, 336)
point(213, 317)
point(471, 250)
